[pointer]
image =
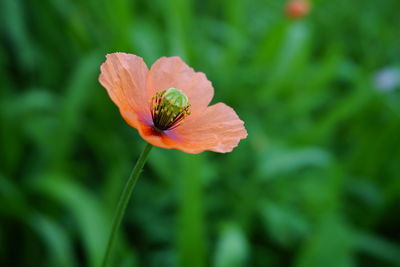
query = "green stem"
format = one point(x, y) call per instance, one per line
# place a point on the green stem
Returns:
point(123, 202)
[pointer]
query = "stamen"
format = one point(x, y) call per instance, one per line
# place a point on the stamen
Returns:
point(169, 108)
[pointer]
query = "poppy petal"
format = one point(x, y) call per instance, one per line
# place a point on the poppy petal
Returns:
point(148, 132)
point(169, 72)
point(218, 129)
point(124, 77)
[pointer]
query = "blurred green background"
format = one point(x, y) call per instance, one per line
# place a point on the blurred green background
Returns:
point(316, 183)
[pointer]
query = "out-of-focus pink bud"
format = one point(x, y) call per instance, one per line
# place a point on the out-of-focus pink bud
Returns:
point(296, 9)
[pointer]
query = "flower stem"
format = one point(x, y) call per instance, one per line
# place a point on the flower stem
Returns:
point(123, 202)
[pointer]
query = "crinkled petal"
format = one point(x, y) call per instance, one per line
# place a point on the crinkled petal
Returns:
point(218, 129)
point(169, 72)
point(124, 77)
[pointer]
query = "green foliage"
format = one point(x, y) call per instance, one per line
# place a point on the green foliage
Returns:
point(314, 184)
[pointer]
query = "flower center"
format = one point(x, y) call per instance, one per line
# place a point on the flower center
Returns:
point(169, 108)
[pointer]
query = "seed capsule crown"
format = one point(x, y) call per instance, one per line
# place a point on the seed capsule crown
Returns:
point(169, 108)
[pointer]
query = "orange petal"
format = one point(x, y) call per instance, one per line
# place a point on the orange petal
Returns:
point(124, 77)
point(169, 72)
point(218, 129)
point(148, 132)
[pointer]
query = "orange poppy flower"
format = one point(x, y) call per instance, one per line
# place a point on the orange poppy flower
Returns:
point(168, 104)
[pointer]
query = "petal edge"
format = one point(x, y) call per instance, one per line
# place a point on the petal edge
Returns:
point(124, 77)
point(218, 129)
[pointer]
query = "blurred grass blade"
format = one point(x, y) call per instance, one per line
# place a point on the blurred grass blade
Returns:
point(77, 96)
point(57, 239)
point(191, 242)
point(14, 24)
point(86, 210)
point(378, 247)
point(332, 245)
point(232, 247)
